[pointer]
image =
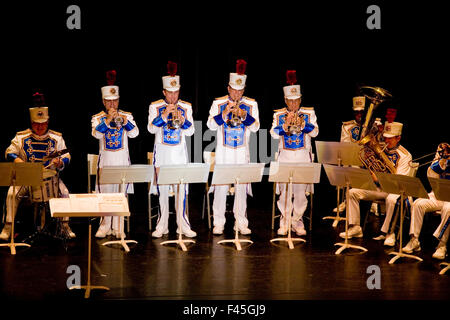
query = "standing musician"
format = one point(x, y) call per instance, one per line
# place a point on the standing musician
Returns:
point(440, 168)
point(401, 159)
point(294, 126)
point(112, 129)
point(32, 145)
point(170, 120)
point(233, 116)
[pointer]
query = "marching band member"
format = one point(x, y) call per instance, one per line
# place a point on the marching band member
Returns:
point(32, 145)
point(233, 116)
point(440, 168)
point(401, 159)
point(350, 129)
point(170, 120)
point(112, 129)
point(293, 147)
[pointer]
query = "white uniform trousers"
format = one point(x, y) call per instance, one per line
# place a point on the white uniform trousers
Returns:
point(355, 195)
point(422, 206)
point(22, 191)
point(163, 220)
point(239, 207)
point(285, 203)
point(443, 230)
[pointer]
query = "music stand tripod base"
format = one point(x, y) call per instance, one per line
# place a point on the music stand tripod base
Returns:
point(289, 240)
point(399, 255)
point(12, 246)
point(346, 246)
point(88, 289)
point(179, 242)
point(121, 242)
point(335, 218)
point(236, 241)
point(446, 268)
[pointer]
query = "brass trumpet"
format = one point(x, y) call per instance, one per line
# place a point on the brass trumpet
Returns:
point(176, 121)
point(296, 124)
point(119, 121)
point(235, 120)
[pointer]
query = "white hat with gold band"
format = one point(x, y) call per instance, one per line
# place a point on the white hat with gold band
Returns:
point(392, 129)
point(172, 81)
point(238, 78)
point(359, 103)
point(39, 113)
point(292, 91)
point(111, 91)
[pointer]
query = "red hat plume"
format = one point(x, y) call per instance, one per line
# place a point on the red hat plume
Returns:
point(291, 77)
point(171, 68)
point(240, 66)
point(38, 99)
point(111, 77)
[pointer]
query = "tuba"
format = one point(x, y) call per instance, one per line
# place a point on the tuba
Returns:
point(372, 153)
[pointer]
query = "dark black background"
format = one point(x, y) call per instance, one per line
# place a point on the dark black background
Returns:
point(328, 44)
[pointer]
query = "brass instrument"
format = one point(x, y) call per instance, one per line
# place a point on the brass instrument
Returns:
point(119, 121)
point(372, 153)
point(235, 120)
point(296, 125)
point(176, 121)
point(442, 152)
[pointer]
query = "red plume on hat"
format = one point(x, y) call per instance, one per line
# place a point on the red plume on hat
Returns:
point(171, 68)
point(38, 99)
point(240, 66)
point(291, 77)
point(111, 77)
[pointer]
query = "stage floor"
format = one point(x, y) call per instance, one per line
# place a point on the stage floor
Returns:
point(261, 271)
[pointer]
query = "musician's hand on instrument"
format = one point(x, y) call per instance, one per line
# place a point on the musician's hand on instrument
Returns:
point(18, 160)
point(110, 115)
point(57, 163)
point(180, 116)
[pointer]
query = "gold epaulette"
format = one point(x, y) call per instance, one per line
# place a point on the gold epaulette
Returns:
point(24, 132)
point(279, 110)
point(251, 99)
point(308, 108)
point(222, 98)
point(347, 122)
point(55, 132)
point(126, 112)
point(158, 101)
point(98, 114)
point(186, 102)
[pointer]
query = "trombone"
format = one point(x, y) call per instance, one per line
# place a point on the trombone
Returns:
point(442, 152)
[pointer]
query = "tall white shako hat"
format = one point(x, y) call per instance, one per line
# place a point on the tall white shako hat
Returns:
point(392, 129)
point(359, 103)
point(39, 113)
point(110, 92)
point(172, 81)
point(292, 91)
point(237, 79)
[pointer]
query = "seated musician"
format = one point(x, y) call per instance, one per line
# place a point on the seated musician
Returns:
point(440, 168)
point(32, 145)
point(400, 158)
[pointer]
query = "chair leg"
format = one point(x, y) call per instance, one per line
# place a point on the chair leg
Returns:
point(366, 218)
point(209, 208)
point(149, 211)
point(310, 211)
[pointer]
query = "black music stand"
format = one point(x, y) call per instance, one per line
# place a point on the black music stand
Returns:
point(236, 174)
point(19, 174)
point(404, 186)
point(289, 173)
point(441, 189)
point(346, 177)
point(341, 154)
point(90, 205)
point(180, 175)
point(122, 175)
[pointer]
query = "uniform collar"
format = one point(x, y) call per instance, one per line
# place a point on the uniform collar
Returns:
point(37, 137)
